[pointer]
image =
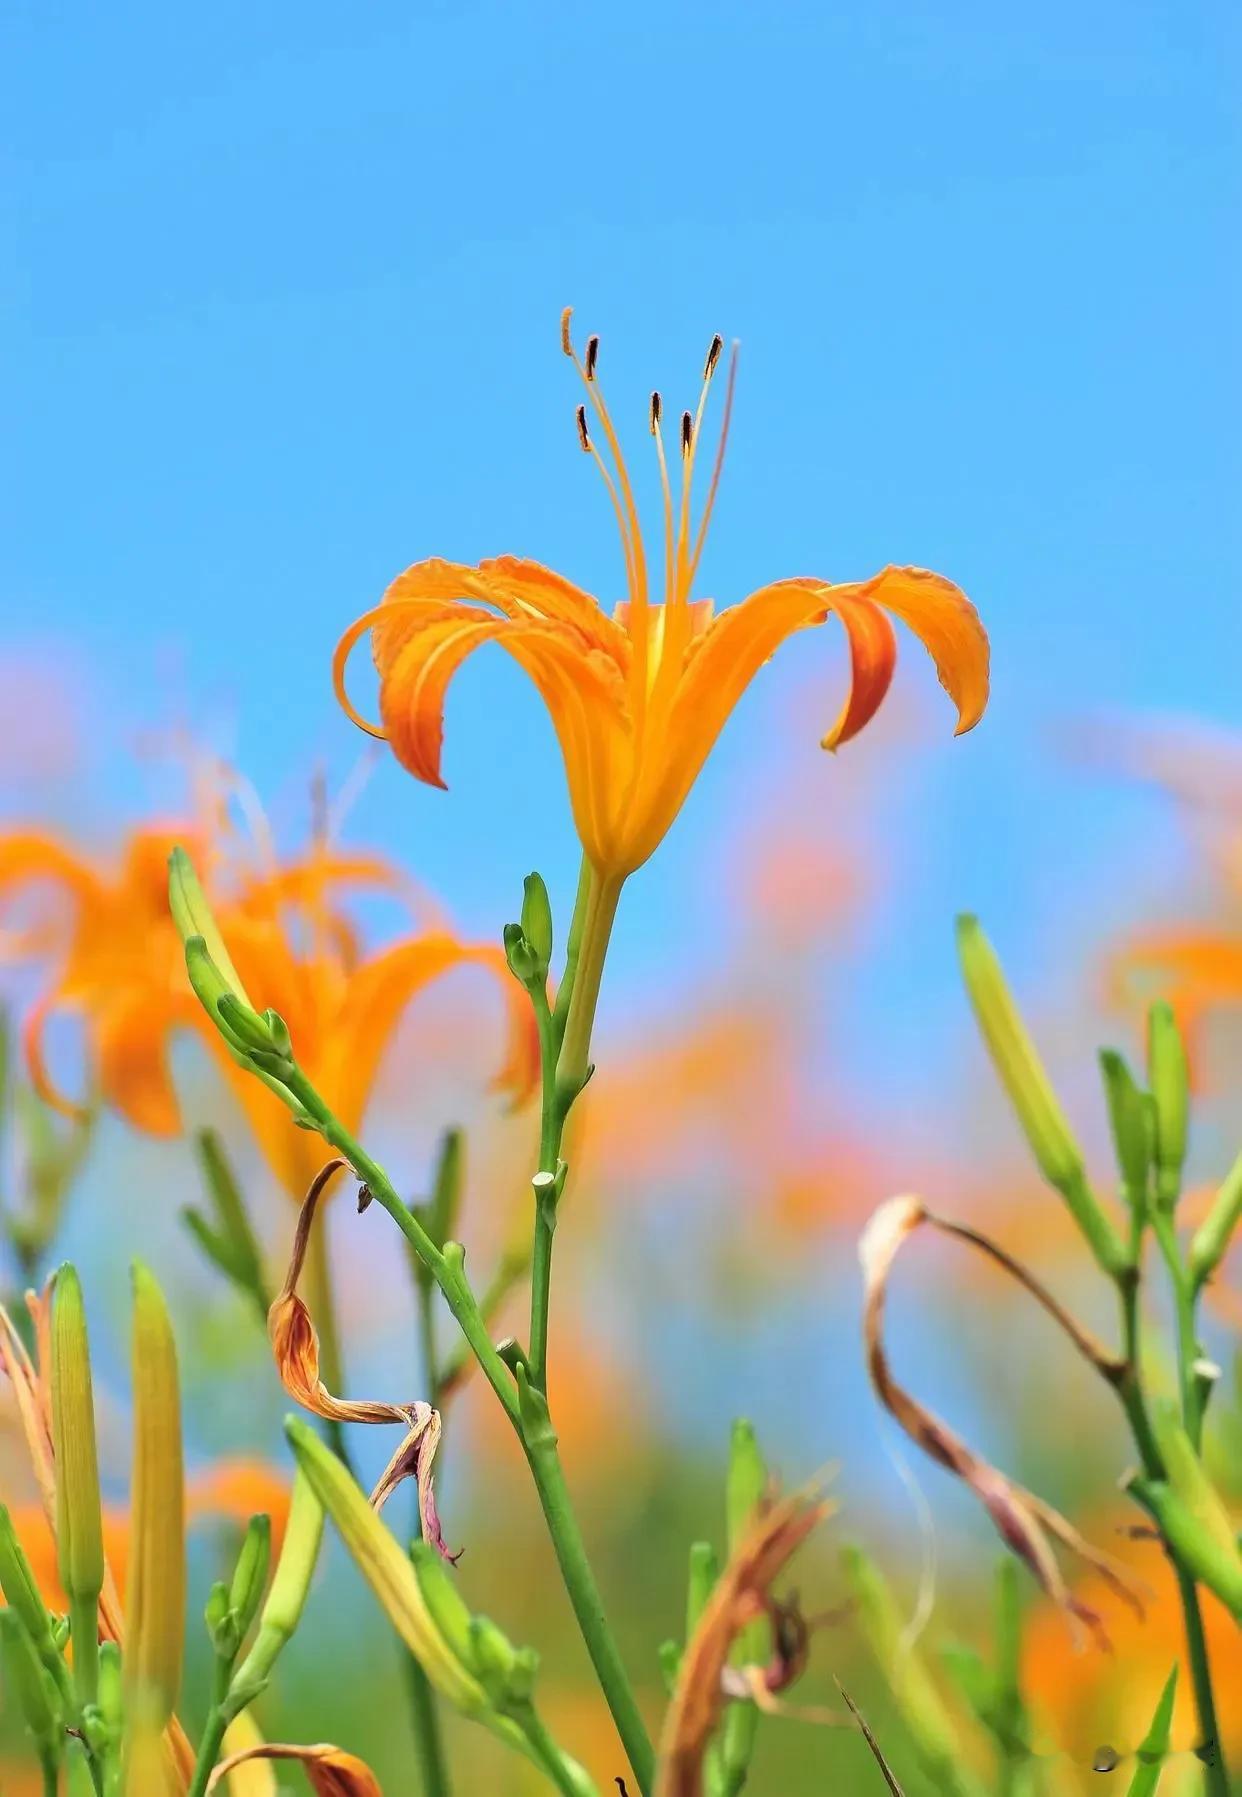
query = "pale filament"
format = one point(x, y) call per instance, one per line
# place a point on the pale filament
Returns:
point(667, 492)
point(687, 476)
point(717, 467)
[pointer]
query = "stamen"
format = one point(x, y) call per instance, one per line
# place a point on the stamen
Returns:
point(657, 409)
point(713, 356)
point(687, 433)
point(592, 356)
point(670, 535)
point(566, 343)
point(725, 419)
point(583, 436)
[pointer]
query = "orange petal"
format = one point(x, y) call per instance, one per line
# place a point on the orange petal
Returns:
point(329, 1770)
point(948, 626)
point(131, 1047)
point(377, 994)
point(873, 656)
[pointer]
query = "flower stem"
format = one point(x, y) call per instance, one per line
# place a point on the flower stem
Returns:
point(545, 1465)
point(424, 1714)
point(1130, 1391)
point(600, 913)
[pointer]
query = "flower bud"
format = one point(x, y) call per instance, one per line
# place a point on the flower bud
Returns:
point(286, 1597)
point(745, 1488)
point(1169, 1079)
point(79, 1524)
point(1022, 1074)
point(1129, 1115)
point(523, 962)
point(537, 919)
point(21, 1594)
point(250, 1573)
point(28, 1683)
point(221, 1623)
point(155, 1601)
point(1185, 1474)
point(1211, 1240)
point(193, 917)
point(932, 1730)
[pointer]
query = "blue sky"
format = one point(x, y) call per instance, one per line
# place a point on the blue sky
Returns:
point(283, 285)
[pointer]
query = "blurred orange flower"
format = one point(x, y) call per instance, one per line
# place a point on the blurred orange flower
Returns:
point(117, 960)
point(639, 698)
point(1084, 1699)
point(231, 1489)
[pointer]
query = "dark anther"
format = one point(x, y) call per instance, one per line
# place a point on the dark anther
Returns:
point(687, 432)
point(657, 407)
point(592, 356)
point(712, 357)
point(583, 438)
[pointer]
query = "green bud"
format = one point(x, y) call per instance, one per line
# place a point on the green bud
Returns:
point(523, 961)
point(445, 1205)
point(111, 1700)
point(494, 1662)
point(1038, 1109)
point(745, 1486)
point(1184, 1472)
point(252, 1031)
point(222, 1629)
point(1216, 1564)
point(1169, 1078)
point(21, 1593)
point(1129, 1117)
point(1154, 1747)
point(1211, 1240)
point(250, 1573)
point(932, 1730)
point(286, 1596)
point(79, 1523)
point(704, 1571)
point(537, 919)
point(30, 1685)
point(194, 918)
point(668, 1656)
point(155, 1599)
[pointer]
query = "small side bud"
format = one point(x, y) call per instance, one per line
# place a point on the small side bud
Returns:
point(28, 1683)
point(1169, 1079)
point(1021, 1072)
point(286, 1598)
point(79, 1523)
point(1129, 1118)
point(521, 957)
point(250, 1573)
point(1211, 1240)
point(537, 918)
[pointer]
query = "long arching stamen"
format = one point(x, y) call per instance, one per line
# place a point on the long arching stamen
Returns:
point(726, 416)
point(638, 568)
point(657, 411)
point(588, 448)
point(689, 446)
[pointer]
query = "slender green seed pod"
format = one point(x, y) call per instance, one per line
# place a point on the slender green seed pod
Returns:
point(537, 919)
point(286, 1597)
point(745, 1486)
point(155, 1603)
point(1211, 1240)
point(79, 1522)
point(1169, 1079)
point(1128, 1115)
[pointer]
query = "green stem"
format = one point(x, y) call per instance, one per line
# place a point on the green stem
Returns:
point(545, 1465)
point(84, 1633)
point(1215, 1772)
point(447, 1269)
point(598, 917)
point(552, 1129)
point(51, 1776)
point(424, 1714)
point(1130, 1391)
point(208, 1749)
point(1187, 1335)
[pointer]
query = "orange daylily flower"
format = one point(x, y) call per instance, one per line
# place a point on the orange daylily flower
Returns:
point(638, 699)
point(119, 962)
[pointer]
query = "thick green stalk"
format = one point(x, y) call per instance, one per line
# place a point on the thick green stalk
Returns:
point(600, 913)
point(424, 1714)
point(545, 1465)
point(551, 1131)
point(1130, 1391)
point(446, 1268)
